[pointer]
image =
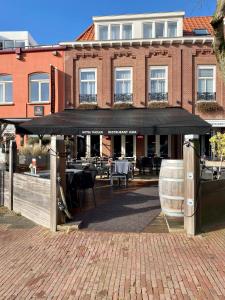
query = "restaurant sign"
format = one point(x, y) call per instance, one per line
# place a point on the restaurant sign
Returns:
point(109, 132)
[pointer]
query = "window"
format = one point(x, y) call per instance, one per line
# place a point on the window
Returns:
point(103, 32)
point(206, 83)
point(159, 29)
point(8, 44)
point(172, 29)
point(88, 86)
point(115, 32)
point(39, 87)
point(158, 83)
point(127, 31)
point(201, 31)
point(123, 85)
point(147, 30)
point(1, 45)
point(19, 44)
point(6, 89)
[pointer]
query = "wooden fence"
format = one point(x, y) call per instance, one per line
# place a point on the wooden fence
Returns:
point(31, 197)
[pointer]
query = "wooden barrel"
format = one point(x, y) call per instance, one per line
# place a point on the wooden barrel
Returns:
point(171, 187)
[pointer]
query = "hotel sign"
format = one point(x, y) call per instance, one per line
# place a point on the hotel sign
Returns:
point(109, 132)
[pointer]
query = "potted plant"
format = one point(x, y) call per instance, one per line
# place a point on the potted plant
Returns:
point(208, 106)
point(218, 148)
point(158, 104)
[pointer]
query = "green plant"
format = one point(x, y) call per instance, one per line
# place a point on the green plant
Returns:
point(88, 106)
point(158, 104)
point(33, 150)
point(208, 106)
point(122, 105)
point(218, 147)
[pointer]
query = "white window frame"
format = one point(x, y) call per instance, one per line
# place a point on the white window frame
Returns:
point(132, 30)
point(147, 23)
point(110, 30)
point(166, 78)
point(105, 25)
point(40, 82)
point(131, 78)
point(213, 67)
point(165, 27)
point(86, 70)
point(3, 83)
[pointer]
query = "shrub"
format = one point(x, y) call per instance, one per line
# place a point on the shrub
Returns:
point(208, 106)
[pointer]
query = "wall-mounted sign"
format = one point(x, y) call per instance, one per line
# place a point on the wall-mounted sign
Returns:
point(122, 132)
point(39, 111)
point(108, 132)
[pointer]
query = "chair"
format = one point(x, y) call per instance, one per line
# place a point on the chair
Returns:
point(87, 181)
point(146, 163)
point(122, 170)
point(157, 164)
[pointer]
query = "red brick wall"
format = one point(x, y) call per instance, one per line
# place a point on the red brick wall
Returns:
point(30, 62)
point(140, 58)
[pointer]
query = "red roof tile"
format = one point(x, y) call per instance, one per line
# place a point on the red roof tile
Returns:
point(189, 25)
point(197, 23)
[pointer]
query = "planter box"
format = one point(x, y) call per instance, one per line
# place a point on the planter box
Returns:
point(42, 161)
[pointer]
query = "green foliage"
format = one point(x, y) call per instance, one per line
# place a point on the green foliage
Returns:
point(218, 145)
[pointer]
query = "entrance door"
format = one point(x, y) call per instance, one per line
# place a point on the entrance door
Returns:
point(95, 145)
point(117, 146)
point(81, 146)
point(129, 146)
point(151, 146)
point(164, 146)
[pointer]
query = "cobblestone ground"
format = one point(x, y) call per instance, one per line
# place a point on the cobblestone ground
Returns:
point(37, 264)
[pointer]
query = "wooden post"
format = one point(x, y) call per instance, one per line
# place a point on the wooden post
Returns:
point(191, 184)
point(12, 162)
point(57, 168)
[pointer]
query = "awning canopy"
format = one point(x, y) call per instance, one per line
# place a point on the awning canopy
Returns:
point(140, 121)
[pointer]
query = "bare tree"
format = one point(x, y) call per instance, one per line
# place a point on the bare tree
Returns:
point(219, 42)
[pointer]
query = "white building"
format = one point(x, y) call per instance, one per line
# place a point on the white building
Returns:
point(16, 39)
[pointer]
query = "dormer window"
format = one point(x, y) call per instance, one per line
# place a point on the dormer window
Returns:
point(115, 32)
point(127, 32)
point(172, 29)
point(159, 29)
point(103, 32)
point(147, 30)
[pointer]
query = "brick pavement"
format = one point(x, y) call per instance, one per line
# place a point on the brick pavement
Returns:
point(37, 264)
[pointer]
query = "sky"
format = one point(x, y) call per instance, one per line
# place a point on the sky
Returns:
point(53, 21)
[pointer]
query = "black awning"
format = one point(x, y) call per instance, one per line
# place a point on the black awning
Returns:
point(114, 121)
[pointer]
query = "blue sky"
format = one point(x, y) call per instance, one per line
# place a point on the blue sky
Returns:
point(52, 21)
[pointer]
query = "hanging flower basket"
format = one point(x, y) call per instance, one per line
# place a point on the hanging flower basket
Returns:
point(122, 105)
point(88, 106)
point(208, 106)
point(158, 104)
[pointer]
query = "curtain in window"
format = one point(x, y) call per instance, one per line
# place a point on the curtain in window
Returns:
point(159, 30)
point(6, 87)
point(103, 32)
point(127, 32)
point(172, 29)
point(158, 86)
point(87, 75)
point(115, 32)
point(87, 88)
point(158, 73)
point(205, 73)
point(147, 30)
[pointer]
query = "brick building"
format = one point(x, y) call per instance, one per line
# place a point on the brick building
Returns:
point(145, 60)
point(31, 82)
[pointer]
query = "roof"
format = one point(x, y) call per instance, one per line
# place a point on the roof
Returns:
point(189, 25)
point(172, 120)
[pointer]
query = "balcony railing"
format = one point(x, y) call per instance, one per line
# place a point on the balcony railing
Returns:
point(84, 98)
point(123, 97)
point(206, 96)
point(158, 96)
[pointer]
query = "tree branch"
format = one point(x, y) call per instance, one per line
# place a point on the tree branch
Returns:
point(218, 26)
